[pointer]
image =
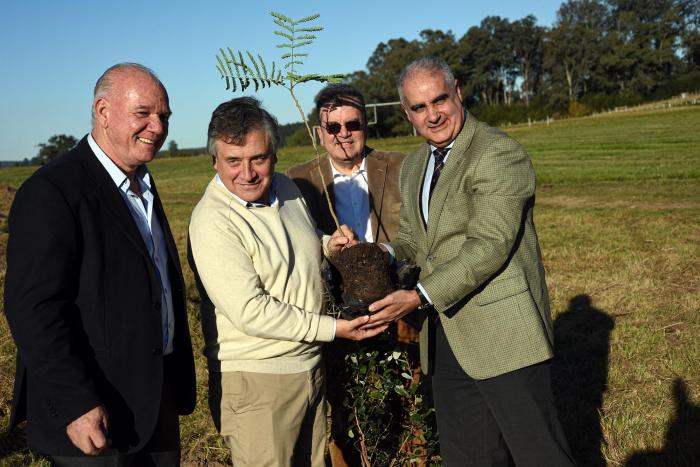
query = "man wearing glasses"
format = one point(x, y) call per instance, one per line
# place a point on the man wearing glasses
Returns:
point(363, 184)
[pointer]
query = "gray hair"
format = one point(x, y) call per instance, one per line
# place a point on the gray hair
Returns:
point(105, 82)
point(233, 120)
point(424, 64)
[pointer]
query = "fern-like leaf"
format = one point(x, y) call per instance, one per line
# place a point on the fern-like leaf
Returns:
point(293, 55)
point(310, 29)
point(306, 19)
point(282, 18)
point(264, 68)
point(285, 35)
point(302, 43)
point(221, 69)
point(292, 63)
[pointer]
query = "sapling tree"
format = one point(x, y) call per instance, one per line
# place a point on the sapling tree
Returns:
point(242, 71)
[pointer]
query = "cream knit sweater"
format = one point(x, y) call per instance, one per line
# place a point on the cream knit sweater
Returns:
point(260, 268)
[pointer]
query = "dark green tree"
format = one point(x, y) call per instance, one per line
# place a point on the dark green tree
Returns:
point(573, 47)
point(172, 148)
point(54, 147)
point(528, 47)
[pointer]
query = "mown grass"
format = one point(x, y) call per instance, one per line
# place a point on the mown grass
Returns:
point(618, 215)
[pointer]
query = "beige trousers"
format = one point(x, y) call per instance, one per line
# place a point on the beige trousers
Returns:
point(269, 419)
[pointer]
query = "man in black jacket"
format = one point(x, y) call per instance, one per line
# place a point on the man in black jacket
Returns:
point(94, 294)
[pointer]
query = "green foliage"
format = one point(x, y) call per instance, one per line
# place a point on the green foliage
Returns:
point(235, 68)
point(54, 147)
point(578, 109)
point(377, 405)
point(172, 148)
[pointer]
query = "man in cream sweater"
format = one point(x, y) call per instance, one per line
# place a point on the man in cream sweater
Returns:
point(256, 256)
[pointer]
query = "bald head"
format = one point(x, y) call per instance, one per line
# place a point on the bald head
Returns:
point(105, 82)
point(130, 113)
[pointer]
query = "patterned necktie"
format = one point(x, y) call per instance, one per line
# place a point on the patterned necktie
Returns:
point(439, 154)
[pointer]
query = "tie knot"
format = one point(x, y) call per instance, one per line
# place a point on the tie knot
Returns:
point(439, 154)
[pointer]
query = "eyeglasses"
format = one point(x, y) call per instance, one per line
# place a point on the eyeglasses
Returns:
point(333, 128)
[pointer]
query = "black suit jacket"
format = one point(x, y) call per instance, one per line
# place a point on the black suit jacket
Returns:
point(83, 302)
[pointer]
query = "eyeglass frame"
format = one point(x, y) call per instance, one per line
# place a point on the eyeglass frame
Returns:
point(352, 125)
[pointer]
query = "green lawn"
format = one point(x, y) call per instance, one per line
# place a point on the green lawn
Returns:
point(618, 215)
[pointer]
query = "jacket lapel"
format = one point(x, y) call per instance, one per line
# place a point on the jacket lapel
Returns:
point(456, 160)
point(109, 195)
point(376, 180)
point(419, 161)
point(316, 170)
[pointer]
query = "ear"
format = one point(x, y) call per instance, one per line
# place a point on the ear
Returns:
point(405, 110)
point(319, 133)
point(100, 110)
point(459, 92)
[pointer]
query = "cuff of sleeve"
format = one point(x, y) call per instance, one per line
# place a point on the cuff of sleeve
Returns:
point(391, 251)
point(324, 241)
point(326, 329)
point(424, 292)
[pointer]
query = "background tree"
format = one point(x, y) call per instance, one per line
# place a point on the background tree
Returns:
point(54, 147)
point(172, 148)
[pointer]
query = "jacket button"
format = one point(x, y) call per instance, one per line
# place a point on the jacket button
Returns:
point(429, 258)
point(157, 350)
point(157, 306)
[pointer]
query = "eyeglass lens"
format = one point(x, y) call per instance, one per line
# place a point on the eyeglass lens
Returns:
point(334, 128)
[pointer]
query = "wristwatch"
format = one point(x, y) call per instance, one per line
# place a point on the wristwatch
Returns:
point(424, 303)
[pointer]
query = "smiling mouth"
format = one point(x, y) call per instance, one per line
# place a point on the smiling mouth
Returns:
point(146, 140)
point(438, 126)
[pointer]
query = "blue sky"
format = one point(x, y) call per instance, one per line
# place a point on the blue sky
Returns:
point(53, 52)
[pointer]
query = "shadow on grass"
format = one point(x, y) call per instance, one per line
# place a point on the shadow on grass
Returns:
point(682, 446)
point(580, 374)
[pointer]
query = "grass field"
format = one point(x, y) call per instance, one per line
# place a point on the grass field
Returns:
point(618, 216)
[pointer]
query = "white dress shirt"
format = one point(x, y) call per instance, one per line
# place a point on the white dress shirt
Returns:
point(351, 197)
point(141, 209)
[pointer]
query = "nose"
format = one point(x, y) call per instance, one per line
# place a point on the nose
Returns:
point(433, 114)
point(158, 125)
point(344, 132)
point(247, 171)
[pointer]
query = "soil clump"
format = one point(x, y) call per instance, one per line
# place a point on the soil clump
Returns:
point(364, 275)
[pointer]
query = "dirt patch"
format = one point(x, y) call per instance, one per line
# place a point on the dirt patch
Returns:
point(575, 202)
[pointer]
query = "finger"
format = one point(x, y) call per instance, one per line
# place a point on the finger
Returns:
point(359, 321)
point(378, 306)
point(373, 332)
point(98, 440)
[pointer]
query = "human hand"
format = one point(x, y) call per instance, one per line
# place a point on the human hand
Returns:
point(392, 307)
point(352, 330)
point(341, 239)
point(89, 431)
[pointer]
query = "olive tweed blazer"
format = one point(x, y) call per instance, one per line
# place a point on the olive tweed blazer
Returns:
point(479, 255)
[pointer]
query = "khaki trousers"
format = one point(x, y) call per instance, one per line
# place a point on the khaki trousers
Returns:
point(270, 419)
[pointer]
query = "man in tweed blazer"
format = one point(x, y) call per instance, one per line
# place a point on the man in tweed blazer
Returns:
point(467, 197)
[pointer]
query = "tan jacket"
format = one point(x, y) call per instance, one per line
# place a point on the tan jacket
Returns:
point(383, 180)
point(479, 254)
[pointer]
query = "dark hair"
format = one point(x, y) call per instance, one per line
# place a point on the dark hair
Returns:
point(335, 95)
point(233, 120)
point(429, 64)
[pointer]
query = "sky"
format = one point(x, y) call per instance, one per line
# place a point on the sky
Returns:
point(52, 52)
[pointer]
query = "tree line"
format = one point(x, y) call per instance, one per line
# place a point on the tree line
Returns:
point(598, 54)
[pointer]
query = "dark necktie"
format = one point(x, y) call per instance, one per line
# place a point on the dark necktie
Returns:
point(439, 154)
